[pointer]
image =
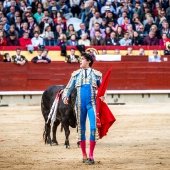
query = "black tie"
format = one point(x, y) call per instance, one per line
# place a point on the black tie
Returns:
point(85, 73)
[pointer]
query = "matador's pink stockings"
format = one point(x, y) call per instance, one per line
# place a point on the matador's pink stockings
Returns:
point(92, 146)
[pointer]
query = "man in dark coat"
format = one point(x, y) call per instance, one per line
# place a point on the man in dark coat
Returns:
point(112, 40)
point(151, 39)
point(72, 58)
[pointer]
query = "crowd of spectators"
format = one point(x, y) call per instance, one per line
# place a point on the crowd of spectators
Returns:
point(103, 22)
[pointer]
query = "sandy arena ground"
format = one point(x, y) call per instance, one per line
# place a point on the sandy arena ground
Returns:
point(138, 140)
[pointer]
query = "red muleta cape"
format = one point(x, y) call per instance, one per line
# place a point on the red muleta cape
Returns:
point(105, 118)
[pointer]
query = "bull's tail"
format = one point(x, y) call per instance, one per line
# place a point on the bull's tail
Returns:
point(45, 134)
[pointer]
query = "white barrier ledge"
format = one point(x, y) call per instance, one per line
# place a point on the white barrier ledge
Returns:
point(16, 93)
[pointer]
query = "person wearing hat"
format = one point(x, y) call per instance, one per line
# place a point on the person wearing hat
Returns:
point(86, 80)
point(12, 40)
point(108, 7)
point(167, 50)
point(155, 57)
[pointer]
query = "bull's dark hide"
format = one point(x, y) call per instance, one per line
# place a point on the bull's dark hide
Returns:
point(65, 113)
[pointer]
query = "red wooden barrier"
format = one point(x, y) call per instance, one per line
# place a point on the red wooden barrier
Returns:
point(125, 75)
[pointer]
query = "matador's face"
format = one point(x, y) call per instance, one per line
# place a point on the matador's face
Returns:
point(84, 63)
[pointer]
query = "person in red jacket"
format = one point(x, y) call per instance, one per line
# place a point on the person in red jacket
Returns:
point(2, 39)
point(25, 41)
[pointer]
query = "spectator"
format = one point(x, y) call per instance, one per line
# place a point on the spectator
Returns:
point(165, 28)
point(112, 40)
point(12, 40)
point(104, 52)
point(96, 28)
point(136, 40)
point(2, 9)
point(129, 51)
point(25, 41)
point(38, 15)
point(108, 7)
point(58, 31)
point(98, 40)
point(151, 39)
point(95, 19)
point(136, 24)
point(103, 24)
point(116, 52)
point(6, 25)
point(150, 22)
point(155, 57)
point(125, 24)
point(40, 58)
point(126, 41)
point(113, 25)
point(154, 28)
point(37, 40)
point(84, 41)
point(164, 40)
point(18, 24)
point(24, 28)
point(18, 58)
point(70, 31)
point(142, 33)
point(12, 30)
point(130, 31)
point(82, 30)
point(45, 54)
point(167, 50)
point(10, 15)
point(119, 33)
point(122, 18)
point(3, 41)
point(107, 32)
point(75, 8)
point(49, 36)
point(60, 22)
point(141, 52)
point(62, 40)
point(31, 25)
point(62, 7)
point(7, 57)
point(72, 58)
point(72, 41)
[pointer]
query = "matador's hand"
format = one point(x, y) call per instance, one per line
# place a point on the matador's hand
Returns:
point(102, 98)
point(65, 100)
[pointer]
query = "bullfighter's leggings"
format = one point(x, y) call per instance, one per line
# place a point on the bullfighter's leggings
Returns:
point(87, 108)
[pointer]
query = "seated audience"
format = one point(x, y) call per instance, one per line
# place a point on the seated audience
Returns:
point(126, 41)
point(12, 40)
point(164, 40)
point(49, 36)
point(98, 40)
point(129, 51)
point(70, 31)
point(72, 41)
point(112, 40)
point(82, 30)
point(136, 40)
point(7, 57)
point(37, 40)
point(62, 40)
point(141, 52)
point(40, 58)
point(3, 40)
point(167, 50)
point(155, 57)
point(151, 39)
point(84, 41)
point(72, 58)
point(18, 58)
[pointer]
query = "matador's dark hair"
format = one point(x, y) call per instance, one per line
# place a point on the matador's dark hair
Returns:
point(88, 57)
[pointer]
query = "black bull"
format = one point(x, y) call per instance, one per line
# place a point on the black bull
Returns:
point(65, 114)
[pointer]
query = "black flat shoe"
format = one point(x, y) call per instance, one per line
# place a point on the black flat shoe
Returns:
point(85, 160)
point(91, 161)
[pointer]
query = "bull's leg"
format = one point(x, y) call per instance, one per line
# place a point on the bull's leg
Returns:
point(67, 133)
point(48, 130)
point(55, 125)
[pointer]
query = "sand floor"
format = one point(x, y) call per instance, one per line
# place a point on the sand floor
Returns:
point(138, 140)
